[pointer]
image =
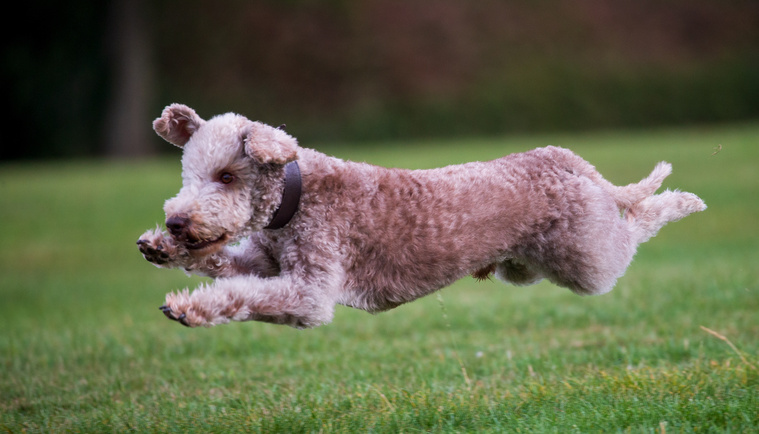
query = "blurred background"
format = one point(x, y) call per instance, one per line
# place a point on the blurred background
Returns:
point(407, 83)
point(86, 78)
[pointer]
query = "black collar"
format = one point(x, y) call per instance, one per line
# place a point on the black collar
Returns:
point(290, 197)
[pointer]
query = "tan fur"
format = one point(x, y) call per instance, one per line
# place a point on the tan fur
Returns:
point(374, 238)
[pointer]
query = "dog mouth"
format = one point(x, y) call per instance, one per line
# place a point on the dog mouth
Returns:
point(202, 244)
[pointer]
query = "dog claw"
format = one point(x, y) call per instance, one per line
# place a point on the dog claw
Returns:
point(167, 311)
point(182, 319)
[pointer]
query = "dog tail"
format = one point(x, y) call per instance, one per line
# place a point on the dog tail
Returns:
point(649, 215)
point(631, 194)
point(625, 196)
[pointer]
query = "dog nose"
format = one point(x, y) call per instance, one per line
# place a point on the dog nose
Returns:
point(177, 224)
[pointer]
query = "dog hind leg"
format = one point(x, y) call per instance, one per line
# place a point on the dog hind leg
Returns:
point(651, 214)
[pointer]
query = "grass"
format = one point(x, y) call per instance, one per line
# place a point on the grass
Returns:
point(84, 348)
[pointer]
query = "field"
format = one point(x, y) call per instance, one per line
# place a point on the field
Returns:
point(675, 347)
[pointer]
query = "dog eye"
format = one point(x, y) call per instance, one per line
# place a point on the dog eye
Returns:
point(226, 178)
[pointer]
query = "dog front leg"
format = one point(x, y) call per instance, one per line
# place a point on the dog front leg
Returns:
point(278, 300)
point(247, 257)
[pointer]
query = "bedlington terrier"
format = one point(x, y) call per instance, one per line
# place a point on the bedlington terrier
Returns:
point(288, 232)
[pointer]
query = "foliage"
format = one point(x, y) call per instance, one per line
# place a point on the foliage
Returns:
point(86, 76)
point(84, 347)
point(379, 69)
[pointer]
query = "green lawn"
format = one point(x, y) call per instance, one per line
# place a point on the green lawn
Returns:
point(84, 347)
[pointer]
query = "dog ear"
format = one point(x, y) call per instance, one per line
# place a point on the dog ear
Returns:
point(270, 145)
point(177, 124)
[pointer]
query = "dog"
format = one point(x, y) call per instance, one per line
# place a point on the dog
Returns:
point(287, 232)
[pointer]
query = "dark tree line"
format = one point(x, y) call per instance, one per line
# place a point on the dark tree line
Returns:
point(86, 78)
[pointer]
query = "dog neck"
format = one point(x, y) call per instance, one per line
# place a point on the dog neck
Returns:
point(290, 197)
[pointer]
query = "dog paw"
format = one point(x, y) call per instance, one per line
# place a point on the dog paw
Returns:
point(157, 248)
point(179, 306)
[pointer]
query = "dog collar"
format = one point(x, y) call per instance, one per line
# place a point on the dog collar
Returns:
point(290, 197)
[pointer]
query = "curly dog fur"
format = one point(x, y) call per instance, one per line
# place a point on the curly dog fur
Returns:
point(374, 238)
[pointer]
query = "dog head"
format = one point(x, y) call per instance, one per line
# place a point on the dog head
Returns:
point(232, 176)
